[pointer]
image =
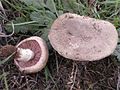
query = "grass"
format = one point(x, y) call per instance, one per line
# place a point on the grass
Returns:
point(5, 81)
point(34, 17)
point(6, 59)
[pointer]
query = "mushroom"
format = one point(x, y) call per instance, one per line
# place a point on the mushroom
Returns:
point(82, 38)
point(31, 55)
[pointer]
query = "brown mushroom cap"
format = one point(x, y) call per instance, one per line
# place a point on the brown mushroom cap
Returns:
point(82, 38)
point(39, 47)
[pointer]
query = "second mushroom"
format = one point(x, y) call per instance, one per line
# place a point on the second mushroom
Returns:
point(82, 38)
point(31, 55)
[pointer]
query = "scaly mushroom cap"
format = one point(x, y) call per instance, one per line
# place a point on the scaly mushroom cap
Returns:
point(40, 50)
point(82, 38)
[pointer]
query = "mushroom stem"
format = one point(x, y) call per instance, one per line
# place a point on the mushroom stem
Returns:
point(25, 54)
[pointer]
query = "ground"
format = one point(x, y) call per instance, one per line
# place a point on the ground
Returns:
point(31, 18)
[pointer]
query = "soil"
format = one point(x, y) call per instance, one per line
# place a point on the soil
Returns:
point(64, 74)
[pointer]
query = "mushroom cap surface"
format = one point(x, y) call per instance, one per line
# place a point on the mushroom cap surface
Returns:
point(82, 38)
point(39, 47)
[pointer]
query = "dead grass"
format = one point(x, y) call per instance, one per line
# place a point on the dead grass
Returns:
point(67, 75)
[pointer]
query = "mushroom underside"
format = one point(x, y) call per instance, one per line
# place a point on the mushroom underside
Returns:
point(35, 47)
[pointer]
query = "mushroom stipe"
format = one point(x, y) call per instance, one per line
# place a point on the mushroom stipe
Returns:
point(82, 38)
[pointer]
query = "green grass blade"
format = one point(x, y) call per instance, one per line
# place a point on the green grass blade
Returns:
point(8, 58)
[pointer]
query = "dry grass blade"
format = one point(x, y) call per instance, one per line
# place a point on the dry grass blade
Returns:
point(91, 2)
point(3, 35)
point(5, 80)
point(0, 29)
point(73, 75)
point(2, 9)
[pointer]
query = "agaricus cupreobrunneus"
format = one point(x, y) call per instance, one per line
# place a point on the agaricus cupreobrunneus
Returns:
point(31, 55)
point(82, 38)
